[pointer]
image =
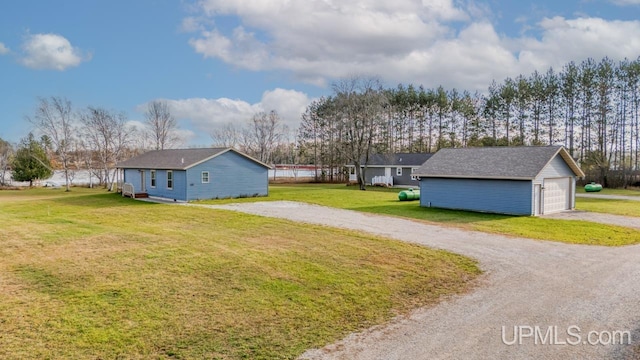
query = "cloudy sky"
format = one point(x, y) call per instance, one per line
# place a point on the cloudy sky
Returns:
point(220, 61)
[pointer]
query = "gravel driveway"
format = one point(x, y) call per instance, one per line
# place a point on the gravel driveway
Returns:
point(528, 284)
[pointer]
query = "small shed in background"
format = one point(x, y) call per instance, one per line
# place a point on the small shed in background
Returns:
point(526, 180)
point(194, 174)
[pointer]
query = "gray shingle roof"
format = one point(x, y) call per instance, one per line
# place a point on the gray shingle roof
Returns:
point(398, 159)
point(522, 162)
point(175, 159)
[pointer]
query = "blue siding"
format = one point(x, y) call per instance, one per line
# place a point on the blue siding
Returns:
point(496, 196)
point(230, 175)
point(405, 179)
point(179, 180)
point(372, 172)
point(133, 177)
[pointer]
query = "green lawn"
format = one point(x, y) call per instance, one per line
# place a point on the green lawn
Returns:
point(90, 275)
point(609, 206)
point(626, 192)
point(385, 201)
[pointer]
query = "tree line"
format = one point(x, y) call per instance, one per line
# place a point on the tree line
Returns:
point(93, 138)
point(592, 108)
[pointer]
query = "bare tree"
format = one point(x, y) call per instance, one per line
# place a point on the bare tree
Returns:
point(54, 118)
point(227, 135)
point(262, 135)
point(161, 125)
point(107, 135)
point(361, 102)
point(85, 157)
point(6, 151)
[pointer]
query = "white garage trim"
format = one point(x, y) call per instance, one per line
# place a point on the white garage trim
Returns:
point(557, 195)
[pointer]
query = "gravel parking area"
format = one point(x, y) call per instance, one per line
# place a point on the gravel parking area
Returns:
point(566, 292)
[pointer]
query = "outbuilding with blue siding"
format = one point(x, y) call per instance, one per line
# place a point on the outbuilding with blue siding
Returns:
point(526, 180)
point(194, 174)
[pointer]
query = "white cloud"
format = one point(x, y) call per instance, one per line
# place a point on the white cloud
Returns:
point(201, 116)
point(191, 24)
point(312, 37)
point(470, 61)
point(3, 49)
point(564, 40)
point(433, 42)
point(289, 104)
point(50, 51)
point(242, 49)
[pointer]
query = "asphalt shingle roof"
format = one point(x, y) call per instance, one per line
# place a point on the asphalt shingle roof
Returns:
point(175, 159)
point(522, 162)
point(402, 159)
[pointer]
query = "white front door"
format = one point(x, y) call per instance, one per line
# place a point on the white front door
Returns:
point(387, 172)
point(143, 181)
point(556, 195)
point(352, 174)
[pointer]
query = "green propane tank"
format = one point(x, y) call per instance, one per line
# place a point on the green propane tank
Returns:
point(409, 195)
point(593, 187)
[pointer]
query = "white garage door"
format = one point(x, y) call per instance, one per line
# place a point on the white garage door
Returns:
point(556, 194)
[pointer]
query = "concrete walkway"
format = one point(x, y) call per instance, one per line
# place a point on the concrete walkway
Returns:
point(566, 294)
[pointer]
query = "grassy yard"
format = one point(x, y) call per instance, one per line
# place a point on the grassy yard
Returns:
point(385, 201)
point(609, 206)
point(90, 275)
point(626, 192)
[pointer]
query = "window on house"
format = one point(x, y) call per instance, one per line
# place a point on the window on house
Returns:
point(169, 179)
point(399, 171)
point(413, 177)
point(205, 177)
point(153, 178)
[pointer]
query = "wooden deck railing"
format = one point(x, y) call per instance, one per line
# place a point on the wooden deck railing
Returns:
point(128, 190)
point(382, 180)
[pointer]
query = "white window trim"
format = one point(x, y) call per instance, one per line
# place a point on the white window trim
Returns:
point(170, 172)
point(202, 177)
point(413, 177)
point(153, 179)
point(398, 171)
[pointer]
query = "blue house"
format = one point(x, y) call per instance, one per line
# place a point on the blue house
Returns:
point(194, 174)
point(526, 180)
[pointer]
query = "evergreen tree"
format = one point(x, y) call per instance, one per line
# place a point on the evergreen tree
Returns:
point(31, 162)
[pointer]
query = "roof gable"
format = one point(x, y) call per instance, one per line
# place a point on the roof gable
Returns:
point(522, 162)
point(177, 159)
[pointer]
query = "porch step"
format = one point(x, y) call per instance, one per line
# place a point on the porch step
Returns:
point(141, 195)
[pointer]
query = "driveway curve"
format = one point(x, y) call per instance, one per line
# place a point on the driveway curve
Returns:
point(570, 297)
